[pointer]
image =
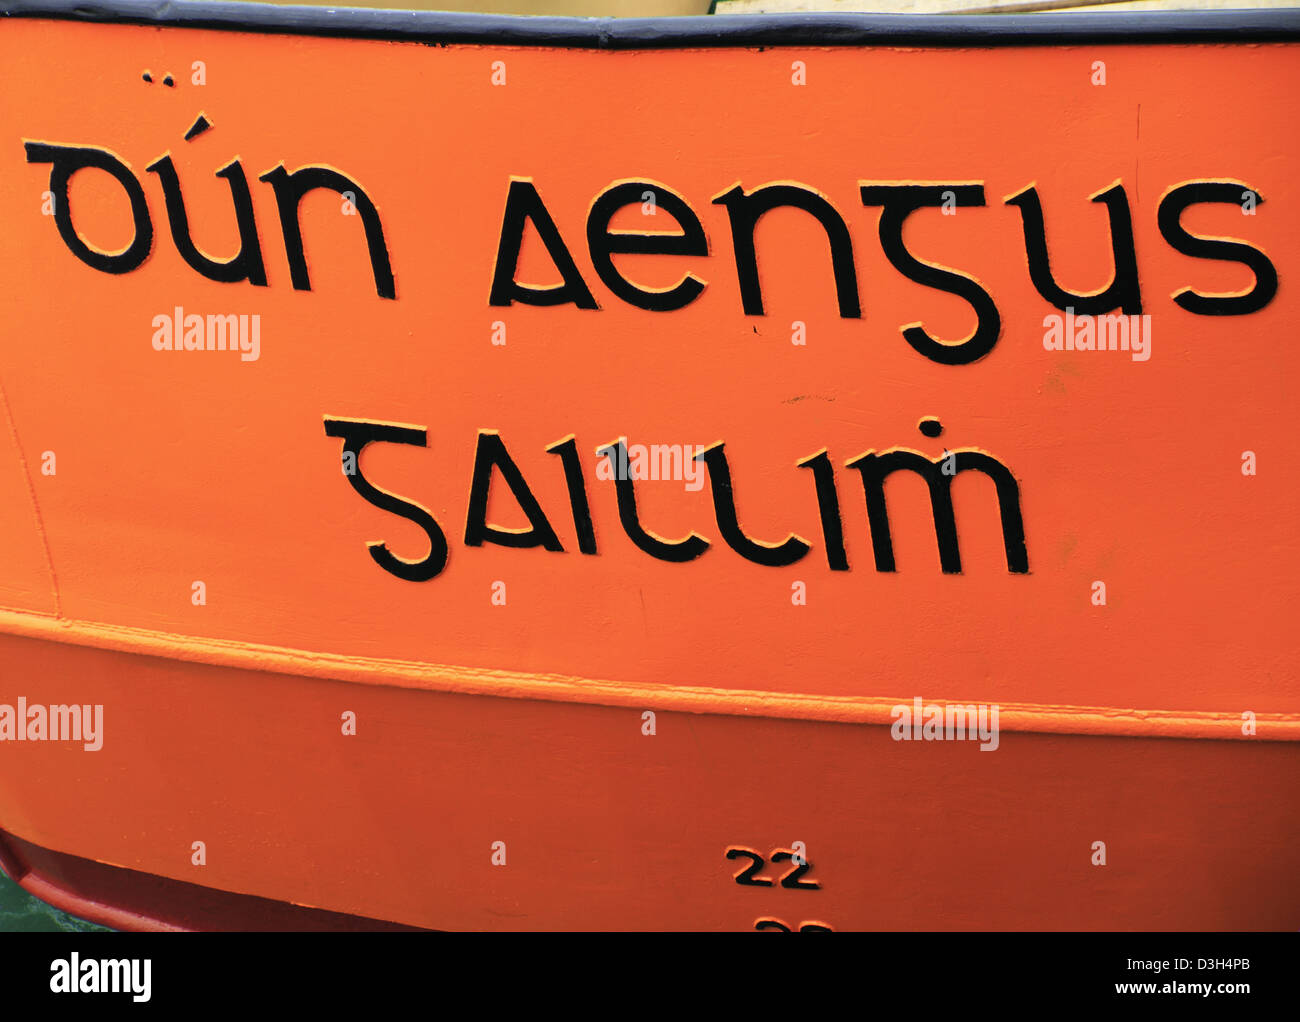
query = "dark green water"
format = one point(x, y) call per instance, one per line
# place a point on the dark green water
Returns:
point(20, 911)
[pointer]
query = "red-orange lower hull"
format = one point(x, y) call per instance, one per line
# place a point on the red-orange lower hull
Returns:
point(606, 827)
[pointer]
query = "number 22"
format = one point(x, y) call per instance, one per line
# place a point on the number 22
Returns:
point(748, 877)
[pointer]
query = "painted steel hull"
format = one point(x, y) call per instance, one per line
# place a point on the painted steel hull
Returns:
point(298, 735)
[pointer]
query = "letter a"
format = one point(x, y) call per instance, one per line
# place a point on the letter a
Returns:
point(523, 204)
point(492, 453)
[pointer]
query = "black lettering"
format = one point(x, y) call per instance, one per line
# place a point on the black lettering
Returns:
point(875, 468)
point(792, 879)
point(356, 433)
point(746, 210)
point(66, 161)
point(603, 243)
point(748, 877)
point(289, 192)
point(247, 265)
point(675, 552)
point(1124, 291)
point(791, 549)
point(491, 453)
point(900, 202)
point(828, 506)
point(567, 449)
point(522, 205)
point(1169, 219)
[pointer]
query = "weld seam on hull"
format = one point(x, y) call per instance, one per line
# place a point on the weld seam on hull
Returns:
point(31, 492)
point(1050, 718)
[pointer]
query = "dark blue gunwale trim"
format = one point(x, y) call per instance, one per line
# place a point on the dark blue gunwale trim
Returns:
point(442, 27)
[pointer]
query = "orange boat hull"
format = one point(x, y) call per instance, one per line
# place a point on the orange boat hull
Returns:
point(373, 629)
point(605, 828)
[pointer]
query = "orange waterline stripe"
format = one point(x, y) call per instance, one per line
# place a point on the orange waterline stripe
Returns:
point(1055, 719)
